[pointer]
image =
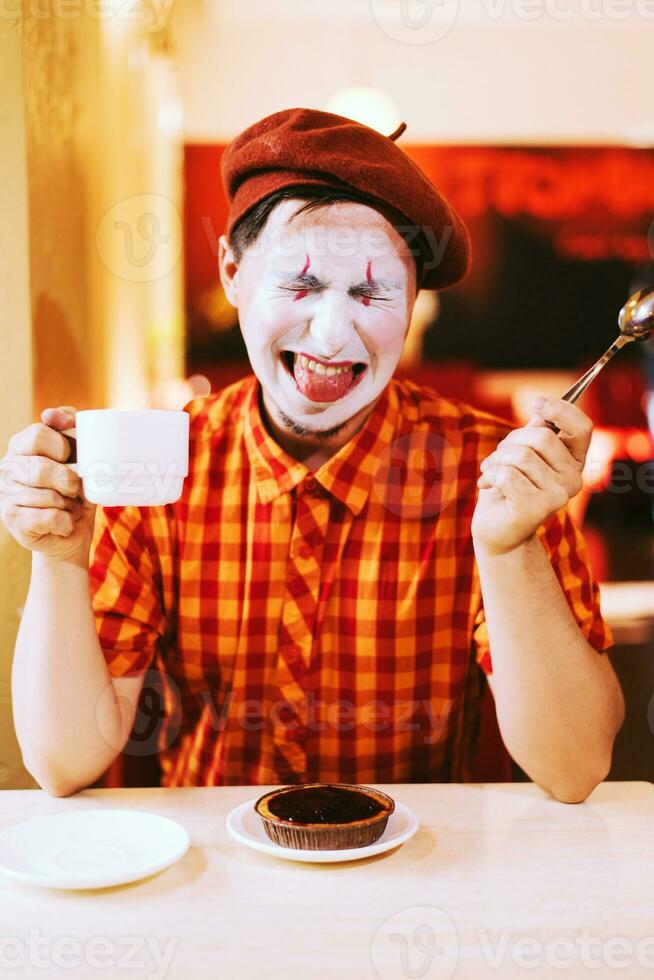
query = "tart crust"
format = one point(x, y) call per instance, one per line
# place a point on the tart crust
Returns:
point(324, 836)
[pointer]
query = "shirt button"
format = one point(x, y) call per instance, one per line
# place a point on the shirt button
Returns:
point(304, 551)
point(310, 484)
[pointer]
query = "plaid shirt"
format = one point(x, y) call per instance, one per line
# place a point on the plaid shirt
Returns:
point(321, 626)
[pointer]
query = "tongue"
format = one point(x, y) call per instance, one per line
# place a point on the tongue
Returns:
point(320, 387)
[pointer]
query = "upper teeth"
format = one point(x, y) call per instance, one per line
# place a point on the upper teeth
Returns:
point(319, 368)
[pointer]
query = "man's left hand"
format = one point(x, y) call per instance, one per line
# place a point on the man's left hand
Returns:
point(532, 474)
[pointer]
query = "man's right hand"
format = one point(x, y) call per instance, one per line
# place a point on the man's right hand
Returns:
point(41, 500)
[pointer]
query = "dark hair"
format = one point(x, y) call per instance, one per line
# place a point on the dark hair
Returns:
point(248, 228)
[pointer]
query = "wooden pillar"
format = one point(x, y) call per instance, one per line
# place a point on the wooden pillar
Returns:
point(15, 367)
point(90, 239)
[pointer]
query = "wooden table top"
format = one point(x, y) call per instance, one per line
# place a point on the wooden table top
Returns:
point(500, 881)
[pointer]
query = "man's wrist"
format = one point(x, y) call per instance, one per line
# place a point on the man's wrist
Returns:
point(486, 552)
point(47, 565)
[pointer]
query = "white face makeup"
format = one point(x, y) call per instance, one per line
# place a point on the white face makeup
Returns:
point(324, 302)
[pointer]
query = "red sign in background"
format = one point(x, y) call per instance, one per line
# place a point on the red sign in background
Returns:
point(594, 202)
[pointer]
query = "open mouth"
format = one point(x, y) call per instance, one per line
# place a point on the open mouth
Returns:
point(319, 381)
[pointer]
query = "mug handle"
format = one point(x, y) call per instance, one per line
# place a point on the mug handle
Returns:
point(71, 436)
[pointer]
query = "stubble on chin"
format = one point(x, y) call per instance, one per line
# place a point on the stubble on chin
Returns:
point(324, 435)
point(296, 428)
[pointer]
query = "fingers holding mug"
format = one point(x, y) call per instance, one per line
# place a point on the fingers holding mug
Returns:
point(43, 473)
point(63, 420)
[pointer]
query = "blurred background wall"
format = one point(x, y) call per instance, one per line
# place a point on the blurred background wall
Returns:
point(479, 71)
point(90, 307)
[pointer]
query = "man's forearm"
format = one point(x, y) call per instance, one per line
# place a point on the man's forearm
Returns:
point(68, 723)
point(559, 704)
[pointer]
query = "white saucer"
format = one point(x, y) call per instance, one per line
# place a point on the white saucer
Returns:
point(91, 848)
point(245, 825)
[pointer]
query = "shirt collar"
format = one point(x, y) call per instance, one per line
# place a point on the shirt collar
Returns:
point(347, 475)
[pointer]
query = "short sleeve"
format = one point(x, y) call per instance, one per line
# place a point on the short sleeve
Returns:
point(566, 549)
point(129, 618)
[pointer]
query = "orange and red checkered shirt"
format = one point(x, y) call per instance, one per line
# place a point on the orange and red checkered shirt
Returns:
point(321, 626)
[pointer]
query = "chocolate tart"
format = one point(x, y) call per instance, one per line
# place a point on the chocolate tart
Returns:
point(324, 816)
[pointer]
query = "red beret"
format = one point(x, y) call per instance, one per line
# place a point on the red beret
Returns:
point(296, 147)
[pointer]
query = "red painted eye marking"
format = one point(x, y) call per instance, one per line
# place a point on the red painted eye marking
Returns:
point(366, 299)
point(303, 292)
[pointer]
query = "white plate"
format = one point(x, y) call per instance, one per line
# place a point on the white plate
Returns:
point(91, 848)
point(245, 825)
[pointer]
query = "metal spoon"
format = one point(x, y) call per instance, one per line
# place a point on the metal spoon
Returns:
point(636, 322)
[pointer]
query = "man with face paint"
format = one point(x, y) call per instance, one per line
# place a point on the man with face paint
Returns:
point(352, 555)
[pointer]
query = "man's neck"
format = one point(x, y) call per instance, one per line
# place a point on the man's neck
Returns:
point(310, 450)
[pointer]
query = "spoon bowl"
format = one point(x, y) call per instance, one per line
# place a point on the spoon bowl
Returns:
point(636, 318)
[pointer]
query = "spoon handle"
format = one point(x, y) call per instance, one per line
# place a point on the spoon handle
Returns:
point(579, 387)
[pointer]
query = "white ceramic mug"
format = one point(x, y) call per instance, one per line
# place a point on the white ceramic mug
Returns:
point(131, 457)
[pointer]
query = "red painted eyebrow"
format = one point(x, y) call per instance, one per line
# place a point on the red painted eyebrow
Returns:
point(301, 293)
point(302, 281)
point(366, 299)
